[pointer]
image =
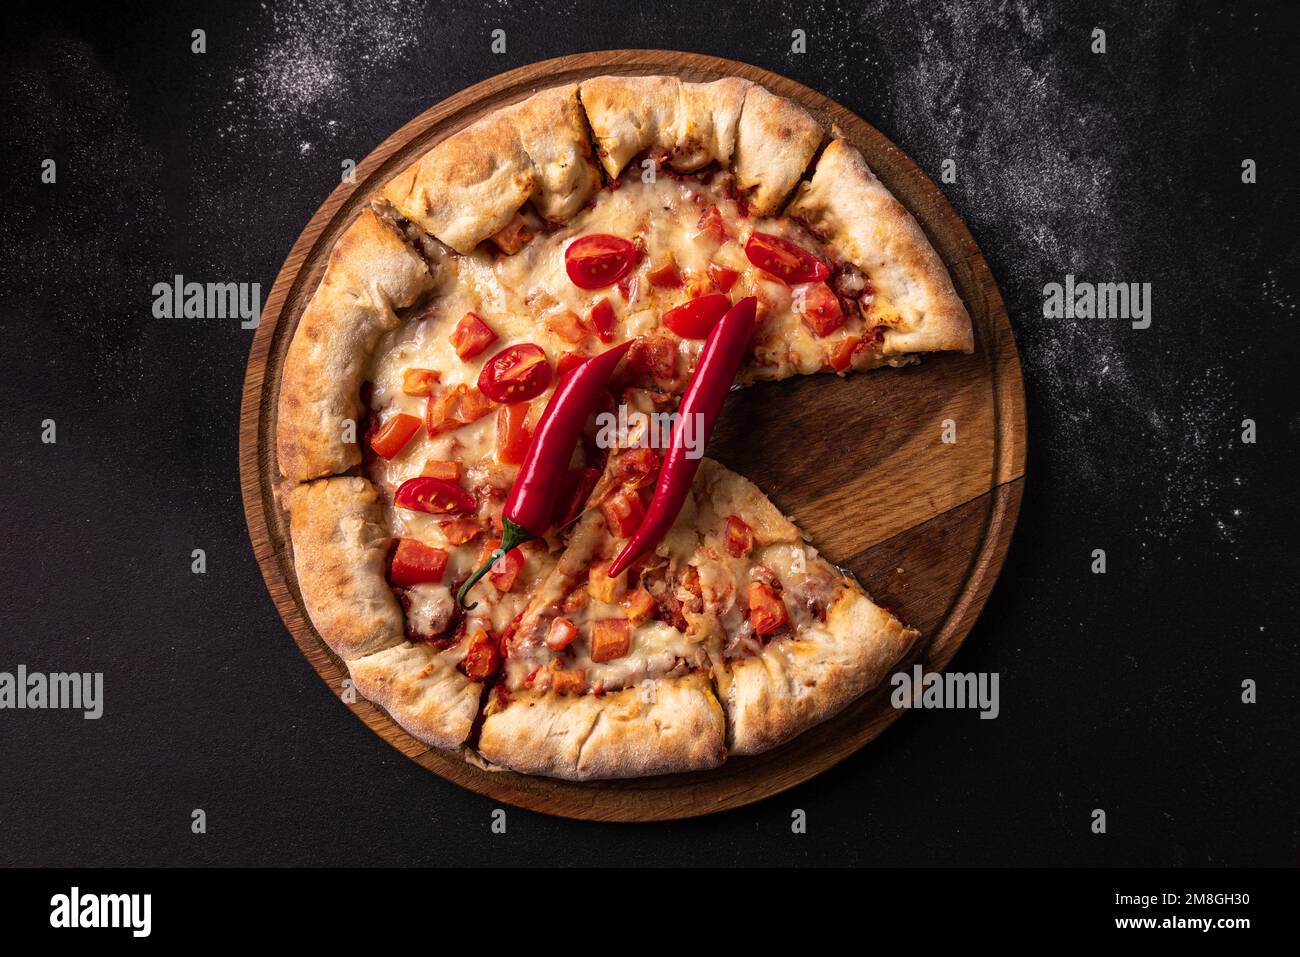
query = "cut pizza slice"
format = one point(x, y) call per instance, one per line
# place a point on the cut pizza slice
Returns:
point(733, 599)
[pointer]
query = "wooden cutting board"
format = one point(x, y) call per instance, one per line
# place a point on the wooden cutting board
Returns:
point(858, 462)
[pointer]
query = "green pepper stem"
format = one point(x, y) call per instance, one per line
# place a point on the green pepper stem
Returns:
point(512, 536)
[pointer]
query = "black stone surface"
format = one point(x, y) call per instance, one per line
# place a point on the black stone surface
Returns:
point(1118, 691)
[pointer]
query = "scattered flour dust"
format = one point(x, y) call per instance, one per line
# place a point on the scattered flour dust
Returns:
point(316, 53)
point(1044, 162)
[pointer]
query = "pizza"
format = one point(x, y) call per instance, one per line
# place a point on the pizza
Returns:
point(616, 217)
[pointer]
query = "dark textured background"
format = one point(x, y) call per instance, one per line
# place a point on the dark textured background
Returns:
point(1118, 691)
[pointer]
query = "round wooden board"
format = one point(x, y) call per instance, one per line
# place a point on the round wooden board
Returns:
point(857, 462)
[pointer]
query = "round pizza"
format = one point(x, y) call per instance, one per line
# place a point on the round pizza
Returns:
point(513, 327)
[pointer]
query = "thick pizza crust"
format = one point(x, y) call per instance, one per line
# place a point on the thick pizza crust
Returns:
point(845, 202)
point(471, 184)
point(339, 547)
point(422, 689)
point(799, 682)
point(662, 726)
point(694, 123)
point(775, 141)
point(371, 272)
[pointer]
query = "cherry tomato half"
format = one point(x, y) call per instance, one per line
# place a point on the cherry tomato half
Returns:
point(784, 260)
point(696, 319)
point(599, 260)
point(436, 496)
point(515, 374)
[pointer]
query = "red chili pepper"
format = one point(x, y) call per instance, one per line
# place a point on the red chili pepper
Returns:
point(717, 367)
point(531, 503)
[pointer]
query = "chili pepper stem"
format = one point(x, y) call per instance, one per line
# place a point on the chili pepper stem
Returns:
point(512, 536)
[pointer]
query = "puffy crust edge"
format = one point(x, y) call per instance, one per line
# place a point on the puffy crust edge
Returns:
point(800, 682)
point(775, 140)
point(663, 726)
point(695, 123)
point(471, 184)
point(339, 547)
point(422, 690)
point(845, 202)
point(370, 273)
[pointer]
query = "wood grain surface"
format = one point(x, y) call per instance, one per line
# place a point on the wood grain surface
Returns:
point(857, 462)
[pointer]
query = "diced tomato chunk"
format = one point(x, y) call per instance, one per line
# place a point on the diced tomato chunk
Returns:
point(710, 224)
point(723, 276)
point(512, 433)
point(638, 466)
point(471, 336)
point(601, 320)
point(623, 513)
point(505, 569)
point(461, 530)
point(561, 634)
point(739, 537)
point(482, 657)
point(394, 434)
point(513, 236)
point(448, 409)
point(843, 353)
point(447, 471)
point(767, 612)
point(415, 563)
point(819, 308)
point(610, 638)
point(665, 276)
point(639, 605)
point(420, 381)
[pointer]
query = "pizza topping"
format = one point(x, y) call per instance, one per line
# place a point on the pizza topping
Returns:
point(601, 321)
point(714, 373)
point(783, 259)
point(695, 319)
point(655, 356)
point(447, 471)
point(514, 236)
point(767, 613)
point(516, 374)
point(458, 531)
point(394, 434)
point(623, 513)
point(603, 587)
point(610, 638)
point(471, 336)
point(710, 225)
point(504, 568)
point(534, 495)
point(639, 605)
point(482, 657)
point(850, 281)
point(512, 433)
point(819, 308)
point(600, 260)
point(561, 634)
point(449, 409)
point(568, 325)
point(415, 563)
point(568, 681)
point(739, 537)
point(665, 276)
point(435, 496)
point(723, 276)
point(420, 381)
